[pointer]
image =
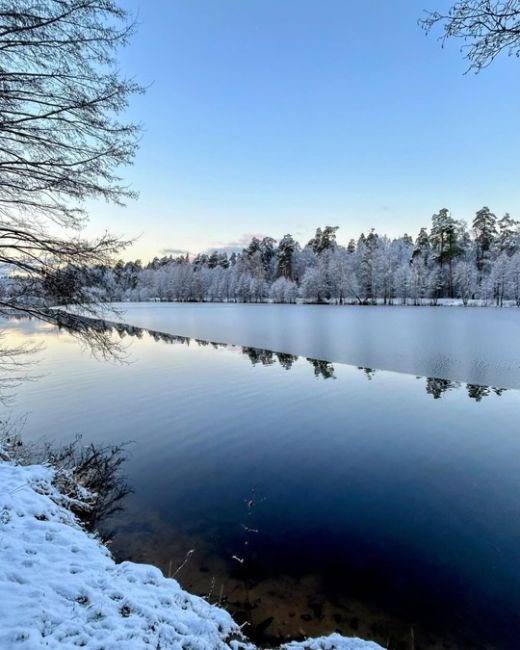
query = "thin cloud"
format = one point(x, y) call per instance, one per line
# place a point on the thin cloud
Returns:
point(173, 251)
point(237, 245)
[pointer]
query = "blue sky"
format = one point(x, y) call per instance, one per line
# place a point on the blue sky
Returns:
point(276, 116)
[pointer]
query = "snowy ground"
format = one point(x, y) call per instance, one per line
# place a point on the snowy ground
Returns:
point(60, 588)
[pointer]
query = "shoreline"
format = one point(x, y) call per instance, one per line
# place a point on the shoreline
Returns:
point(60, 584)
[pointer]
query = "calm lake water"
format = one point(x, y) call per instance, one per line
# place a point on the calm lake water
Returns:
point(315, 496)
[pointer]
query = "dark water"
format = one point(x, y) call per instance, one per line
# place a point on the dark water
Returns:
point(353, 499)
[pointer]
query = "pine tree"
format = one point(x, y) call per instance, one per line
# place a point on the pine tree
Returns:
point(284, 254)
point(485, 231)
point(444, 239)
point(422, 248)
point(323, 239)
point(508, 234)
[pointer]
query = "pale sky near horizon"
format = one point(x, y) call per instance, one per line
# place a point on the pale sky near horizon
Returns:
point(273, 117)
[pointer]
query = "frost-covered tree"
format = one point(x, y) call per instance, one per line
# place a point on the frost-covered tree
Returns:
point(376, 269)
point(514, 278)
point(283, 290)
point(342, 276)
point(485, 27)
point(314, 284)
point(465, 281)
point(500, 278)
point(508, 234)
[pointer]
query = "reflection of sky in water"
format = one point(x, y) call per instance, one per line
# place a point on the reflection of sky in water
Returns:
point(365, 475)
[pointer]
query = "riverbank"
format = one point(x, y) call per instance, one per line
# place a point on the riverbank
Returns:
point(60, 587)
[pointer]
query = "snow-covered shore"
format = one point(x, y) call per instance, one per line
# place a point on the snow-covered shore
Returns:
point(60, 587)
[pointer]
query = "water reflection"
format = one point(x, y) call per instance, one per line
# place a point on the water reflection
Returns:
point(96, 468)
point(434, 386)
point(383, 506)
point(369, 372)
point(16, 367)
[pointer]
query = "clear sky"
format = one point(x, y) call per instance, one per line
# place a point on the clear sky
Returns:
point(277, 116)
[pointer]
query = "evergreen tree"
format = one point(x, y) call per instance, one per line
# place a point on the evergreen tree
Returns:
point(323, 239)
point(267, 253)
point(284, 255)
point(508, 234)
point(422, 249)
point(367, 250)
point(485, 231)
point(213, 260)
point(444, 239)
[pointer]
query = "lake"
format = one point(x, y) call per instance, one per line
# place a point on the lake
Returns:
point(478, 345)
point(314, 488)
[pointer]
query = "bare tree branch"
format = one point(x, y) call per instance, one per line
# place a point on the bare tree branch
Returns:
point(488, 28)
point(61, 142)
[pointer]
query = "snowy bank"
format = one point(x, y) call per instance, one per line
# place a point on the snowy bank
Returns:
point(60, 587)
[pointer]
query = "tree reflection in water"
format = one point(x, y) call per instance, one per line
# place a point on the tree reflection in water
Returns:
point(437, 387)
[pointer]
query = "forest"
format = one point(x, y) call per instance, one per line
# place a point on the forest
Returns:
point(448, 260)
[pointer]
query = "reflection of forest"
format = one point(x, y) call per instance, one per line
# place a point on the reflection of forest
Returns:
point(435, 386)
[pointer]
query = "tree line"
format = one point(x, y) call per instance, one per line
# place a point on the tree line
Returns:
point(448, 260)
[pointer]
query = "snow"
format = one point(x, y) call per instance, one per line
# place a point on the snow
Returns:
point(331, 642)
point(60, 587)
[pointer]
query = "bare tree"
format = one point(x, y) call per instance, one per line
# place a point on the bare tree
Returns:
point(487, 28)
point(61, 142)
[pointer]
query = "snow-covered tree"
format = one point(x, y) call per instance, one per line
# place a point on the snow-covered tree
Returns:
point(447, 263)
point(283, 290)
